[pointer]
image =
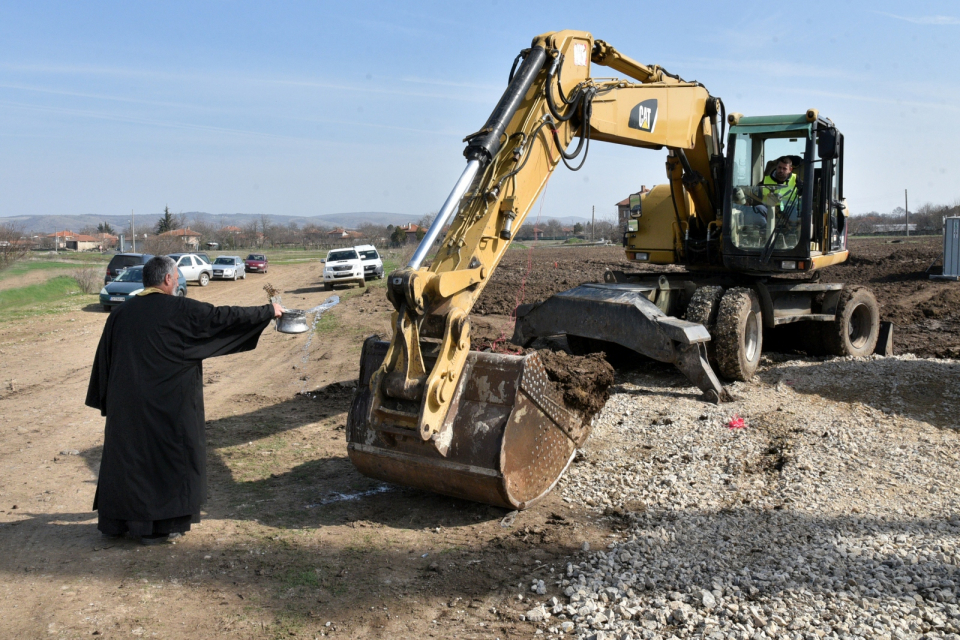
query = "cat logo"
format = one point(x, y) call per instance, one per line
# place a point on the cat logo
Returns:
point(644, 116)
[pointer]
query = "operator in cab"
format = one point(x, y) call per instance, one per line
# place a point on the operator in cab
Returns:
point(782, 182)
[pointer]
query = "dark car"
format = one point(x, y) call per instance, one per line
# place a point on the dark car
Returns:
point(121, 261)
point(256, 262)
point(129, 283)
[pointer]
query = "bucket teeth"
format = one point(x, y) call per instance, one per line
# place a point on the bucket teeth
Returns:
point(543, 393)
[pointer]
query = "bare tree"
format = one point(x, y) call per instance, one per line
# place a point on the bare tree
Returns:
point(266, 228)
point(13, 245)
point(427, 219)
point(161, 245)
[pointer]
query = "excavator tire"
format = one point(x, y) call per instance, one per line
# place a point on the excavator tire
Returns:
point(703, 308)
point(857, 326)
point(617, 355)
point(738, 334)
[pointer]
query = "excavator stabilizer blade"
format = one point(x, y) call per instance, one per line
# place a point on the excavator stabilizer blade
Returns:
point(623, 313)
point(512, 435)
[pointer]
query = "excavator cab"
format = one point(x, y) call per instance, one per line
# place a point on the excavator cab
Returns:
point(783, 209)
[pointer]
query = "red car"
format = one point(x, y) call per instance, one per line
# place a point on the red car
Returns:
point(256, 262)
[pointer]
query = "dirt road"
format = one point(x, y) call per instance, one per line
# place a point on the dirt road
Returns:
point(294, 542)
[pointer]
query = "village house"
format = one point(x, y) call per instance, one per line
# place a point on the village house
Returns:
point(343, 234)
point(58, 241)
point(191, 239)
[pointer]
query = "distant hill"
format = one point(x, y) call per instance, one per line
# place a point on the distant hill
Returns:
point(51, 223)
point(147, 221)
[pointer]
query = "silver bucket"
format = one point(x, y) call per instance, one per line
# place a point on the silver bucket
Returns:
point(293, 321)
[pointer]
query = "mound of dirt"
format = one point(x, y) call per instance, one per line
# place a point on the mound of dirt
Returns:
point(584, 380)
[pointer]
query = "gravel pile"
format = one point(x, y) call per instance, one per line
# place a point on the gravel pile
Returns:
point(820, 517)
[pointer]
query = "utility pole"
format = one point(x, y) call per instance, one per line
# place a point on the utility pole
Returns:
point(906, 211)
point(56, 240)
point(593, 223)
point(133, 232)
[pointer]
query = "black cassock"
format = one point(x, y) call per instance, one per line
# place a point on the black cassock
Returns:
point(147, 379)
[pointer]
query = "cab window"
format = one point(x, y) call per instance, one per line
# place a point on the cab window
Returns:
point(766, 189)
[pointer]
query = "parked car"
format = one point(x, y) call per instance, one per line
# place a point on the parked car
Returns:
point(372, 264)
point(228, 268)
point(128, 284)
point(194, 268)
point(342, 266)
point(256, 262)
point(121, 261)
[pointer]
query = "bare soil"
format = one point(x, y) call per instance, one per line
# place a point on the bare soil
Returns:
point(294, 542)
point(925, 312)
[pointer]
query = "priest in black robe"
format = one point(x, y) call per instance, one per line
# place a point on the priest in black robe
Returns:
point(147, 380)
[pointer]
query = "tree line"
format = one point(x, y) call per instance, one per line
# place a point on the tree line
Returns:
point(928, 219)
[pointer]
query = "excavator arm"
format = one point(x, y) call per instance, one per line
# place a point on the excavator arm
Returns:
point(552, 109)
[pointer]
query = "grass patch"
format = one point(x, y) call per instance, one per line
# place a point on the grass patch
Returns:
point(301, 578)
point(26, 266)
point(518, 245)
point(56, 294)
point(328, 323)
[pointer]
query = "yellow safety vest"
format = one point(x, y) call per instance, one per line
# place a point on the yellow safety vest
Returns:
point(786, 191)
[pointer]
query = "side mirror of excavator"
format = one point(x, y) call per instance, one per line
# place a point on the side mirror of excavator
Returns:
point(635, 205)
point(841, 219)
point(827, 144)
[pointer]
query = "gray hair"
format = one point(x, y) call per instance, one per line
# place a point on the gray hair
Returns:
point(156, 270)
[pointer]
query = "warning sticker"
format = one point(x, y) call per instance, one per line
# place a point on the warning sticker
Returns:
point(580, 54)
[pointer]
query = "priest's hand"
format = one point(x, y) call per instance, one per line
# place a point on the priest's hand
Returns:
point(277, 310)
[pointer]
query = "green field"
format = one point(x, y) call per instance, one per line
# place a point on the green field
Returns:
point(56, 294)
point(51, 263)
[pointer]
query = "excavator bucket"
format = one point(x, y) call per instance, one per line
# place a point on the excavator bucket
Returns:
point(512, 435)
point(623, 314)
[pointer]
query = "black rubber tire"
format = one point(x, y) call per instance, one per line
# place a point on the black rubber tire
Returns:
point(739, 334)
point(107, 308)
point(327, 287)
point(857, 326)
point(363, 284)
point(204, 279)
point(181, 293)
point(703, 308)
point(235, 276)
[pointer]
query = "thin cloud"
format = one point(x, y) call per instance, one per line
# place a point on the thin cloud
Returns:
point(862, 98)
point(936, 20)
point(209, 128)
point(224, 79)
point(100, 96)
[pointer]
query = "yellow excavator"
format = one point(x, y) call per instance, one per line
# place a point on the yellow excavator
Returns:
point(490, 427)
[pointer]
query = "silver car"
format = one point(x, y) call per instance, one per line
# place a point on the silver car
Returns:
point(194, 268)
point(228, 268)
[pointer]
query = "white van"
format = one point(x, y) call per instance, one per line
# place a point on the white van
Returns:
point(372, 264)
point(342, 266)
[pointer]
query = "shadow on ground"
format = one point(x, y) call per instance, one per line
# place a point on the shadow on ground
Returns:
point(306, 537)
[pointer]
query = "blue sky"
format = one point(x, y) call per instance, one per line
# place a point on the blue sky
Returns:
point(306, 108)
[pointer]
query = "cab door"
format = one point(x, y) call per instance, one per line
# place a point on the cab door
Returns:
point(830, 213)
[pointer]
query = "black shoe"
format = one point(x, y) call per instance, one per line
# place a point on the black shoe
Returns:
point(160, 538)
